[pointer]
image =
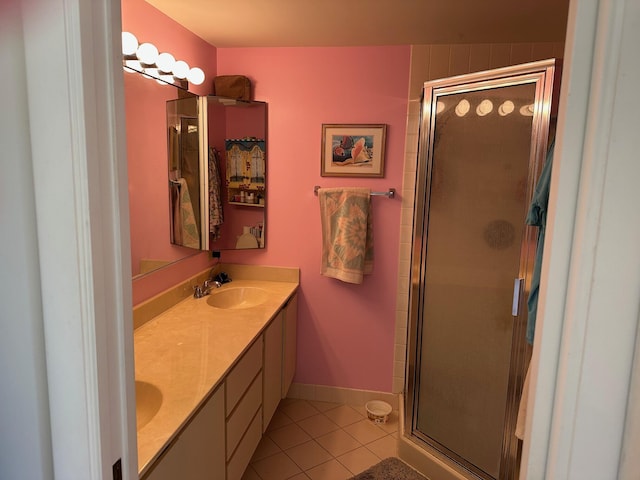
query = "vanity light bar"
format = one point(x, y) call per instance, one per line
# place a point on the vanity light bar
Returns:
point(146, 59)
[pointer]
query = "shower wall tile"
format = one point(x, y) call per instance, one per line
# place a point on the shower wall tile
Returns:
point(420, 61)
point(439, 62)
point(500, 55)
point(398, 384)
point(521, 53)
point(459, 60)
point(558, 50)
point(542, 51)
point(479, 57)
point(405, 253)
point(398, 369)
point(406, 216)
point(413, 126)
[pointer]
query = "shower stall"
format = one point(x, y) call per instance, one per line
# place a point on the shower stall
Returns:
point(483, 141)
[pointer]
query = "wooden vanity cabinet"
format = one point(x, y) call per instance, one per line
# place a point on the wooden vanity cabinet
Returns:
point(197, 453)
point(273, 340)
point(244, 409)
point(221, 438)
point(289, 350)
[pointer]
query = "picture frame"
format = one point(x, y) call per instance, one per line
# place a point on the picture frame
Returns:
point(350, 150)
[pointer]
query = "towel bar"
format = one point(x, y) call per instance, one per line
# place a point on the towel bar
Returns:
point(391, 193)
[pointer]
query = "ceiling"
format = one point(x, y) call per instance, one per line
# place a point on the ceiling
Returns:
point(304, 23)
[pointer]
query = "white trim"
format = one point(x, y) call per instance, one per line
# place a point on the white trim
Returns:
point(590, 287)
point(77, 156)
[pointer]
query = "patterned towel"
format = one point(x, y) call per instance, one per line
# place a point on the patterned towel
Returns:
point(347, 233)
point(188, 227)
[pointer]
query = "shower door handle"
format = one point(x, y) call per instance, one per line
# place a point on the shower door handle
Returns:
point(515, 306)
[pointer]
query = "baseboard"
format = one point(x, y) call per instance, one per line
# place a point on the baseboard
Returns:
point(349, 396)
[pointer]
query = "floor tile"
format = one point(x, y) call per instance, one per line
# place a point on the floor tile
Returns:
point(288, 436)
point(317, 425)
point(385, 447)
point(266, 448)
point(308, 455)
point(250, 474)
point(276, 467)
point(300, 476)
point(365, 431)
point(296, 411)
point(344, 415)
point(392, 423)
point(331, 470)
point(358, 460)
point(338, 442)
point(279, 420)
point(323, 406)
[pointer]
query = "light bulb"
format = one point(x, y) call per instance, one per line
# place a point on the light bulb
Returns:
point(147, 53)
point(164, 79)
point(129, 43)
point(463, 108)
point(506, 108)
point(180, 69)
point(133, 65)
point(165, 62)
point(153, 72)
point(195, 76)
point(527, 110)
point(439, 107)
point(485, 108)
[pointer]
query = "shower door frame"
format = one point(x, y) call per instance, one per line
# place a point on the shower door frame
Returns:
point(542, 74)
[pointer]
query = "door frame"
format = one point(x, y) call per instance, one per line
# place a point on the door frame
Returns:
point(76, 110)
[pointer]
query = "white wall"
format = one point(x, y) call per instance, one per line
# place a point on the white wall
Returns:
point(25, 436)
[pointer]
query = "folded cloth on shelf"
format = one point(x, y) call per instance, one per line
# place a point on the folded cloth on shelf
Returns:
point(347, 233)
point(188, 226)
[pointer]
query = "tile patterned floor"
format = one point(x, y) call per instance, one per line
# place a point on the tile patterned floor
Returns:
point(308, 440)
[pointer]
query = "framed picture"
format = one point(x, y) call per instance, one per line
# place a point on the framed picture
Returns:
point(353, 150)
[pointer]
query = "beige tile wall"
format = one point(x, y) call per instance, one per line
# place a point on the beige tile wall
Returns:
point(429, 62)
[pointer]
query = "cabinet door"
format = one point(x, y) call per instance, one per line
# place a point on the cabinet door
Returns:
point(198, 451)
point(272, 369)
point(290, 342)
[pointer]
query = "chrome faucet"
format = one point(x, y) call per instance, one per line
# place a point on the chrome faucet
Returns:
point(205, 289)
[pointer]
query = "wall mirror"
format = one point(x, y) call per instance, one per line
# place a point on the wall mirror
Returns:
point(145, 107)
point(168, 126)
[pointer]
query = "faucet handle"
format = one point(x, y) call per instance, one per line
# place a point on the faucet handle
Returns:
point(197, 291)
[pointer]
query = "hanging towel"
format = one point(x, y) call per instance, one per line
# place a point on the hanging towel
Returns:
point(537, 216)
point(347, 233)
point(188, 227)
point(215, 203)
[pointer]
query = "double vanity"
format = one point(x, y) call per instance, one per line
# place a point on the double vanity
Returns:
point(211, 371)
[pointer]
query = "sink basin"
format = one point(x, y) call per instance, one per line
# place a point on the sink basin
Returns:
point(148, 401)
point(237, 297)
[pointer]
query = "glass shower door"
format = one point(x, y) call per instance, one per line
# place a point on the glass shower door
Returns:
point(480, 161)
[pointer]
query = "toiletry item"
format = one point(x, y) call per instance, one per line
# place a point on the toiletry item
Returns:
point(247, 240)
point(243, 196)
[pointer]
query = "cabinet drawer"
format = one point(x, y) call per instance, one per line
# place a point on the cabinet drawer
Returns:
point(242, 416)
point(243, 374)
point(238, 463)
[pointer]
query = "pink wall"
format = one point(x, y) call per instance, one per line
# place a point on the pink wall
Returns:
point(149, 24)
point(345, 332)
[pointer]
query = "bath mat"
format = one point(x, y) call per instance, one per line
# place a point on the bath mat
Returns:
point(389, 469)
